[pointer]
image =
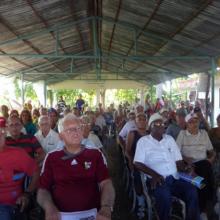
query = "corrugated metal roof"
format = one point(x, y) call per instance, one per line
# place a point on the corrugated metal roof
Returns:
point(147, 40)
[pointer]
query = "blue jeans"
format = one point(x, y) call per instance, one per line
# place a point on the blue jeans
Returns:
point(180, 189)
point(7, 212)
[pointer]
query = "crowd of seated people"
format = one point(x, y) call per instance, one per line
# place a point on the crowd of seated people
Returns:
point(195, 143)
point(30, 141)
point(155, 139)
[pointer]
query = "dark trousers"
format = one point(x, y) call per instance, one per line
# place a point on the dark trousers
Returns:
point(180, 189)
point(204, 168)
point(6, 212)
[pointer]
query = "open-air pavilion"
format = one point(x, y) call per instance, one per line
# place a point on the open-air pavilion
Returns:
point(102, 43)
point(110, 44)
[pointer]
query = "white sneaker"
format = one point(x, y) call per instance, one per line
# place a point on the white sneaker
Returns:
point(203, 216)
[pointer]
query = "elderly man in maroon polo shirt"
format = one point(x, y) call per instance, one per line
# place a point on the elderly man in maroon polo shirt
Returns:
point(75, 179)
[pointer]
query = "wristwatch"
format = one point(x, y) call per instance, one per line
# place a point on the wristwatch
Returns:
point(108, 207)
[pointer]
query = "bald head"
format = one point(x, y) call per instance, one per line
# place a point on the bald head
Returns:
point(44, 124)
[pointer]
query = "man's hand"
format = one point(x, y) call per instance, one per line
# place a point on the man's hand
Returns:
point(156, 179)
point(52, 213)
point(188, 160)
point(211, 156)
point(23, 202)
point(104, 214)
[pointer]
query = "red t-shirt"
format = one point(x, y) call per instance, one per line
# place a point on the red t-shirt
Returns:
point(26, 141)
point(73, 182)
point(13, 163)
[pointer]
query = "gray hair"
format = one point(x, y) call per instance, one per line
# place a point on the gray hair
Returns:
point(69, 117)
point(87, 119)
point(43, 117)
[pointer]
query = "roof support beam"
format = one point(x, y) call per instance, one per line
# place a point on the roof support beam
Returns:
point(146, 24)
point(149, 34)
point(183, 25)
point(22, 37)
point(96, 56)
point(126, 25)
point(114, 25)
point(44, 65)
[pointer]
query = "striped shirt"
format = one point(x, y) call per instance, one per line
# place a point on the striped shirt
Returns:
point(26, 141)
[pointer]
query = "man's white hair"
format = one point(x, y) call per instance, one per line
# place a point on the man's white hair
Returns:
point(69, 117)
point(43, 117)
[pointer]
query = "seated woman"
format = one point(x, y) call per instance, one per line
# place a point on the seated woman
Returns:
point(214, 135)
point(196, 149)
point(132, 139)
point(26, 120)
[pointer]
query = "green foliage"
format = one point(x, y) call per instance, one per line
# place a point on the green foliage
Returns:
point(28, 90)
point(129, 95)
point(70, 96)
point(152, 93)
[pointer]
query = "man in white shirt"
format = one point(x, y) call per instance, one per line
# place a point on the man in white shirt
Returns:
point(47, 137)
point(100, 120)
point(129, 126)
point(158, 156)
point(88, 134)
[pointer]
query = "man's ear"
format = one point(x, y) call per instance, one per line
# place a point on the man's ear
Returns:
point(61, 135)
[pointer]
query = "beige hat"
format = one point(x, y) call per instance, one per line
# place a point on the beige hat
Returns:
point(162, 110)
point(190, 116)
point(141, 114)
point(154, 117)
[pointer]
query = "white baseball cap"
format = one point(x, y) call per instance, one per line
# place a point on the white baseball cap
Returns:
point(190, 116)
point(154, 117)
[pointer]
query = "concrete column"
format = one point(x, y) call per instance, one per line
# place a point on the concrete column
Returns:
point(45, 94)
point(97, 97)
point(213, 91)
point(142, 96)
point(41, 90)
point(22, 89)
point(102, 92)
point(159, 90)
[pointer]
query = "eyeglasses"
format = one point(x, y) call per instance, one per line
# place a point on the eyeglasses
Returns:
point(73, 130)
point(158, 124)
point(194, 121)
point(14, 125)
point(44, 124)
point(86, 124)
point(2, 131)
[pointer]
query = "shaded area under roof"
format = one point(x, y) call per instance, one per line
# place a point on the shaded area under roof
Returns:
point(145, 41)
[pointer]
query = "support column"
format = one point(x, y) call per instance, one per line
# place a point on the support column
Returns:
point(213, 91)
point(22, 89)
point(96, 49)
point(102, 92)
point(170, 91)
point(45, 93)
point(50, 97)
point(97, 97)
point(142, 96)
point(159, 91)
point(40, 88)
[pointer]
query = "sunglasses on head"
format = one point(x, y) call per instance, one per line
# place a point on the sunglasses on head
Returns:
point(158, 124)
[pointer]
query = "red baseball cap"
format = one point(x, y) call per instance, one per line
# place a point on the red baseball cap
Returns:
point(2, 122)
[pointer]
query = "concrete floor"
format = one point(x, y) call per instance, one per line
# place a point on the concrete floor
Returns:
point(122, 203)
